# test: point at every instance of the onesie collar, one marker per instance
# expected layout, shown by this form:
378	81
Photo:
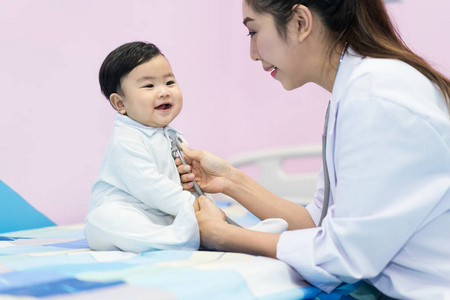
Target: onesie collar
122	120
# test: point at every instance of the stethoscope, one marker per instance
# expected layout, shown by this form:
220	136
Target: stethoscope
177	151
326	197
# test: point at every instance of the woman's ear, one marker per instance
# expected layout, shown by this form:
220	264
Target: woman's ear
303	21
117	103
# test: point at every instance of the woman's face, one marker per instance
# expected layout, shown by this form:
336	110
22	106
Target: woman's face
277	55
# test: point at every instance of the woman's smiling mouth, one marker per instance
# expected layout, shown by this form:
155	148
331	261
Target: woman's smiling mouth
272	70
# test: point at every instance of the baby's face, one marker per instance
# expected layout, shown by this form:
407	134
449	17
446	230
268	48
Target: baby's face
151	95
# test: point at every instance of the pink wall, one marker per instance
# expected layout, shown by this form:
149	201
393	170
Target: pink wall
55	123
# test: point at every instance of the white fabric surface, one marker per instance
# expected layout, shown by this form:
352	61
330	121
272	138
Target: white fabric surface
137	202
272	225
388	152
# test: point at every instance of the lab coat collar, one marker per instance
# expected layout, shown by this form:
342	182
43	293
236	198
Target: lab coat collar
122	120
350	61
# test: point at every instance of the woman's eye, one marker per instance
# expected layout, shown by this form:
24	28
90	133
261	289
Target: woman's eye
251	33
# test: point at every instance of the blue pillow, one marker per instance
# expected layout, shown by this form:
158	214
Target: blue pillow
17	214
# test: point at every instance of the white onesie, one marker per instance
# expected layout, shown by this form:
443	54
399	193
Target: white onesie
137	203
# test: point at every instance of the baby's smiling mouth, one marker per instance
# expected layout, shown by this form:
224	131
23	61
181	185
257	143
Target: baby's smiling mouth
164	106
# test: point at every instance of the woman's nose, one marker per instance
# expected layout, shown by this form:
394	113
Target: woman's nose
254	54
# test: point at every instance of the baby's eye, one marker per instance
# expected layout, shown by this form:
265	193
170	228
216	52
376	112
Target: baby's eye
170	82
149	86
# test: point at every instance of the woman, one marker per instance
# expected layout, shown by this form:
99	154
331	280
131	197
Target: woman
387	154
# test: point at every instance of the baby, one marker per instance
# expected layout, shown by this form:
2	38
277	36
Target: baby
137	203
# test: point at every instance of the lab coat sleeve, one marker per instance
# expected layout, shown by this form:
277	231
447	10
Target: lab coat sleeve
392	167
315	207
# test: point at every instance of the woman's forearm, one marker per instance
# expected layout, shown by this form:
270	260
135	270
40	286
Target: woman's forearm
263	203
236	239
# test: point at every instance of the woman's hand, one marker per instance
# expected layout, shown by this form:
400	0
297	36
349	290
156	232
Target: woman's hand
211	222
210	171
217	234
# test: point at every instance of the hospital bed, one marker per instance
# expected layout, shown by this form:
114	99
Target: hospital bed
270	167
56	263
44	260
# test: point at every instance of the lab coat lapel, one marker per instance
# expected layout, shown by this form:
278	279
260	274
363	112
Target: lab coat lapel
349	63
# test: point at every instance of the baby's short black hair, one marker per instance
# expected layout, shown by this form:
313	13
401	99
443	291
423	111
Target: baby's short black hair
121	61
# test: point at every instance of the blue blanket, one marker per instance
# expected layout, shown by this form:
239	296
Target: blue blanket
56	263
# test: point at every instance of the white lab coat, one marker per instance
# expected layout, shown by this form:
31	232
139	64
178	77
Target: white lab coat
137	203
388	155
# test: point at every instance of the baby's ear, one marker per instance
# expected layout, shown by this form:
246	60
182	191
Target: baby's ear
116	102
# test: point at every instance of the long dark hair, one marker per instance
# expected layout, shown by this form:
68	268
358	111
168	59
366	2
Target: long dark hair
363	24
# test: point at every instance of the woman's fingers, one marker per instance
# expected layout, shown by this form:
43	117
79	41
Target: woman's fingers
210	223
203	202
185	175
183	169
188	186
210	210
191	154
